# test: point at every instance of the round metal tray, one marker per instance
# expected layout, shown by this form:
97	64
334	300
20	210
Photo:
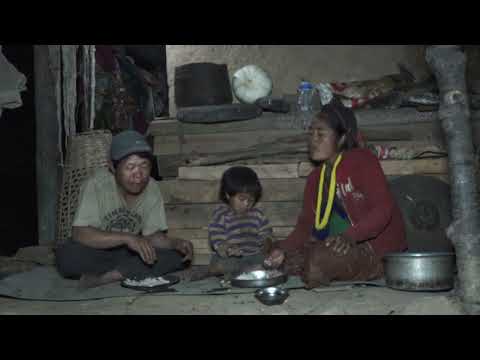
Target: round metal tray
259	284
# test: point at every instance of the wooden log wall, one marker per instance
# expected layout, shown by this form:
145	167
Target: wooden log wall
190	189
191	199
190	204
270	138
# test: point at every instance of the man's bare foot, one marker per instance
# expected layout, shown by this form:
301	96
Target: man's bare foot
92	281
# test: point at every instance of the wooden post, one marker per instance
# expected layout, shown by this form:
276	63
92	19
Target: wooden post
47	108
69	88
89	83
448	63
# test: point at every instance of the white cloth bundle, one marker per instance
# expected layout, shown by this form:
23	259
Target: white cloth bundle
251	83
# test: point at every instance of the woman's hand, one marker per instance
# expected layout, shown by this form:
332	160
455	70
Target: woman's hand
339	244
275	259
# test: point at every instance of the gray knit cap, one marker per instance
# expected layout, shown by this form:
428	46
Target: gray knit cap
127	143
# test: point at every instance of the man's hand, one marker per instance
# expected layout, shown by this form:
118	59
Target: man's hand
184	247
144	248
275	259
340	244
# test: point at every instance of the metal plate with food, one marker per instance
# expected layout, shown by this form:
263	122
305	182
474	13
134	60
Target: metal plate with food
153	284
259	279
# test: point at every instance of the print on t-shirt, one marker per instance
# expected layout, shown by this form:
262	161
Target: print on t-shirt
122	220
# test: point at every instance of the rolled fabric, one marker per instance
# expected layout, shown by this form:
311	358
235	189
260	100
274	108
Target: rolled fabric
12	83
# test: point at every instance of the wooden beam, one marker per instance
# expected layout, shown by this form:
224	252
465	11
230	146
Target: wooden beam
303	169
279	171
195	216
201	259
449	64
265	122
206	192
47	108
217	142
199	237
411	167
224	142
281	153
69	88
398	167
191	191
269	121
295	147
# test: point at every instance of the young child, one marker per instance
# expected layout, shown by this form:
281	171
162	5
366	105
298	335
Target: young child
239	234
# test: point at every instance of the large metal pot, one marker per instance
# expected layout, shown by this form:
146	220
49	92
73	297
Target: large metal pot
420	271
202	84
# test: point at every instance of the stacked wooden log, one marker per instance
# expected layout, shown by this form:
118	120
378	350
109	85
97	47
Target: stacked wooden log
193	157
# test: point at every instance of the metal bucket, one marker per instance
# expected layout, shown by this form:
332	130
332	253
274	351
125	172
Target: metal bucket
420	271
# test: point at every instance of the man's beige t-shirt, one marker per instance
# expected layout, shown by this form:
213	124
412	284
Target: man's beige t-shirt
102	207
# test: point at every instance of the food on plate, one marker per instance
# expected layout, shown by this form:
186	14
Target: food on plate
260	275
147	283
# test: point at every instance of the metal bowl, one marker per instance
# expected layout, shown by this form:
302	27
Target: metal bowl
261	280
272	296
420	271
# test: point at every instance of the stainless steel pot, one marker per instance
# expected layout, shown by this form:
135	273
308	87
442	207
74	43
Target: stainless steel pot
420	271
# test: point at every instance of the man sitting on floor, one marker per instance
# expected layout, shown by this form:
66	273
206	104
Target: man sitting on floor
119	229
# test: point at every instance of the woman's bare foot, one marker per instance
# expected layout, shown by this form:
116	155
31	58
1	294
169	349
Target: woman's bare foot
92	281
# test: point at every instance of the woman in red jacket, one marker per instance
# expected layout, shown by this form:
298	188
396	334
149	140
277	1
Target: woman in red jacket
350	219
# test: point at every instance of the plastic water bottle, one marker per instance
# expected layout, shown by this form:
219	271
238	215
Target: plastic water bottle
305	95
305	106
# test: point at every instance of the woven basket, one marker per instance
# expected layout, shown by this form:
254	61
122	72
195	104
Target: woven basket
86	152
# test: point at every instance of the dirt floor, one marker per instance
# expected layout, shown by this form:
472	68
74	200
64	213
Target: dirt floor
330	301
360	301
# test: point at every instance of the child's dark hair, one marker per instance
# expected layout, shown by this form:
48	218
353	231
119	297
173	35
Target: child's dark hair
240	179
342	120
142	155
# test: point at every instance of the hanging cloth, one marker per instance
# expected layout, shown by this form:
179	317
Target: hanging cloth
12	83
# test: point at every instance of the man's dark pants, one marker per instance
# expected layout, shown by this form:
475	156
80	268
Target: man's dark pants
74	260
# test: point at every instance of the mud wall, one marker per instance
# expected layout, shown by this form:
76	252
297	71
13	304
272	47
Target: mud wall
289	64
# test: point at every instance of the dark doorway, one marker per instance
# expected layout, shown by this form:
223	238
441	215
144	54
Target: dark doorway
153	58
18	208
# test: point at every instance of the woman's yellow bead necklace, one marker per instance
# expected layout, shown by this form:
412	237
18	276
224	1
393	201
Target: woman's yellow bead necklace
321	223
